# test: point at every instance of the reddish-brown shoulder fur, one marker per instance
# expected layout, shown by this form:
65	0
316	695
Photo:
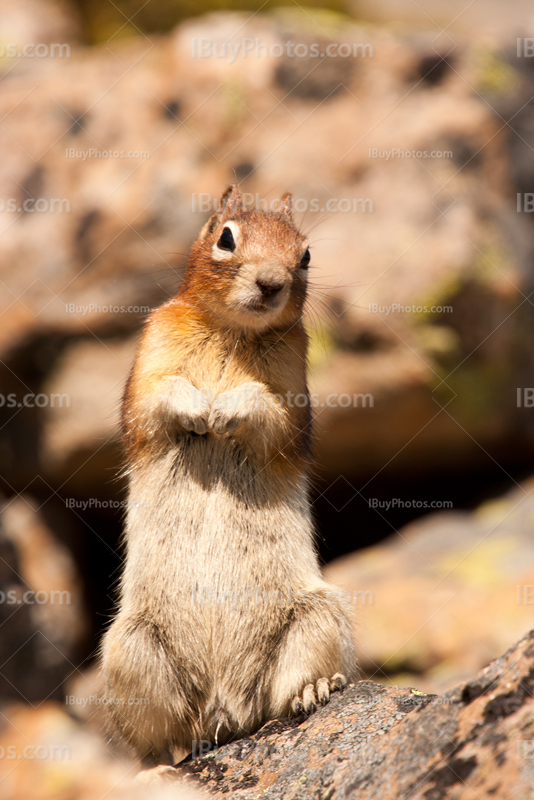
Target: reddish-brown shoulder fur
179	341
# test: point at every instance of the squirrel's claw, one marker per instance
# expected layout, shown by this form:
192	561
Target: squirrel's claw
318	694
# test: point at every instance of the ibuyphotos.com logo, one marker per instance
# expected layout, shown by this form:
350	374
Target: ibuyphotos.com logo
247	47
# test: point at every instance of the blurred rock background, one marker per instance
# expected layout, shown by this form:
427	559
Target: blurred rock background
89	243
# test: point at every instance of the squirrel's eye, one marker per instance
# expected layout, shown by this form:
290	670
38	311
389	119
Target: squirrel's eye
305	260
226	241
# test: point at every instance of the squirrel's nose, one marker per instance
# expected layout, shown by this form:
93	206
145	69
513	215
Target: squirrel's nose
269	288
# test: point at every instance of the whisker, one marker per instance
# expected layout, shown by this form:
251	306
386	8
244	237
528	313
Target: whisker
328	239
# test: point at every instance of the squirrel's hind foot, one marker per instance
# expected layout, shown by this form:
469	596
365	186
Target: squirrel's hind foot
312	696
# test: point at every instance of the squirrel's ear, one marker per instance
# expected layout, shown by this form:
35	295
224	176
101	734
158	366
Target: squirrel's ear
208	227
230	201
286	203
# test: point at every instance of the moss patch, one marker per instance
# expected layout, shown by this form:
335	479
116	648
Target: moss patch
493	75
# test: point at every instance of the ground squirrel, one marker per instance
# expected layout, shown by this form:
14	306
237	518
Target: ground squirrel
225	621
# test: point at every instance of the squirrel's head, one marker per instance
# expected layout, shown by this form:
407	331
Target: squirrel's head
248	267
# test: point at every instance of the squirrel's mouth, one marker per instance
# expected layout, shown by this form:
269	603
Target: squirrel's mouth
258	313
262	306
253	306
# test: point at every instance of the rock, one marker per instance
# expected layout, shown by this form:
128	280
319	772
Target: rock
498	22
87	382
44	621
445	594
37	23
47	755
383	743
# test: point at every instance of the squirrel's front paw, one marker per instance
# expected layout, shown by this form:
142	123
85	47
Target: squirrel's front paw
190	406
312	696
233	408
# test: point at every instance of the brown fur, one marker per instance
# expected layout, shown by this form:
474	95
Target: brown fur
224	620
